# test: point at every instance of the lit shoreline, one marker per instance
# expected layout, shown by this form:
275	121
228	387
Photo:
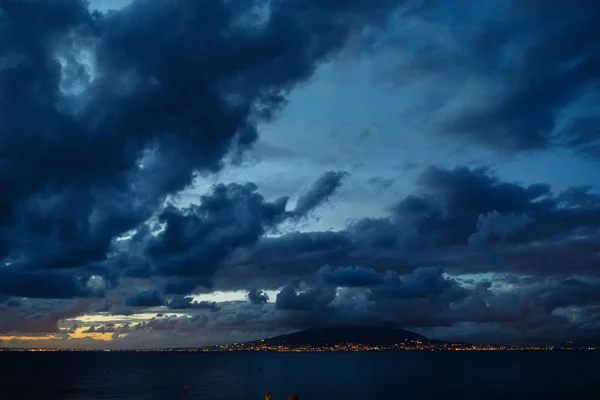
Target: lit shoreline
282	348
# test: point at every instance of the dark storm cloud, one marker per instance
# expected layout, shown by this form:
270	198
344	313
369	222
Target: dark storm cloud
181	285
460	205
324	187
273	262
428	298
104	115
516	307
39	315
185	303
45	284
467	220
91	152
422	283
292	298
196	240
350	276
144	298
256	296
498	225
535	68
388	298
569	256
322	246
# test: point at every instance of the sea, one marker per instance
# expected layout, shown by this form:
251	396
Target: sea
311	376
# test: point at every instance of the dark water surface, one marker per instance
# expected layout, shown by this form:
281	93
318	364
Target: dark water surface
318	376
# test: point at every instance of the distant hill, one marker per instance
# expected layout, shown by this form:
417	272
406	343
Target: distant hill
356	335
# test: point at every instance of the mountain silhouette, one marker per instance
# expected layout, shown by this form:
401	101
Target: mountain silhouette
375	336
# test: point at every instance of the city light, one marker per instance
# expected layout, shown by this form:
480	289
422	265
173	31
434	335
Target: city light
262	346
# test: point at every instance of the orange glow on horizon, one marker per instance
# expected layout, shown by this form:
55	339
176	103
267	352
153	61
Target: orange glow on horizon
78	334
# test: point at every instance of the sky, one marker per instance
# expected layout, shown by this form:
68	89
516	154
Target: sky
179	173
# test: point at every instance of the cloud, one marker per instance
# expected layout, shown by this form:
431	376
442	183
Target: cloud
144	298
526	228
101	134
39	316
426	282
380	183
428	297
98	131
185	303
47	284
520	309
256	296
496	224
349	276
324	187
524	76
182	285
291	297
196	240
108	328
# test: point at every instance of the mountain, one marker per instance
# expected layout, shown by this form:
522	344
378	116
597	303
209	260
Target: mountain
356	335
